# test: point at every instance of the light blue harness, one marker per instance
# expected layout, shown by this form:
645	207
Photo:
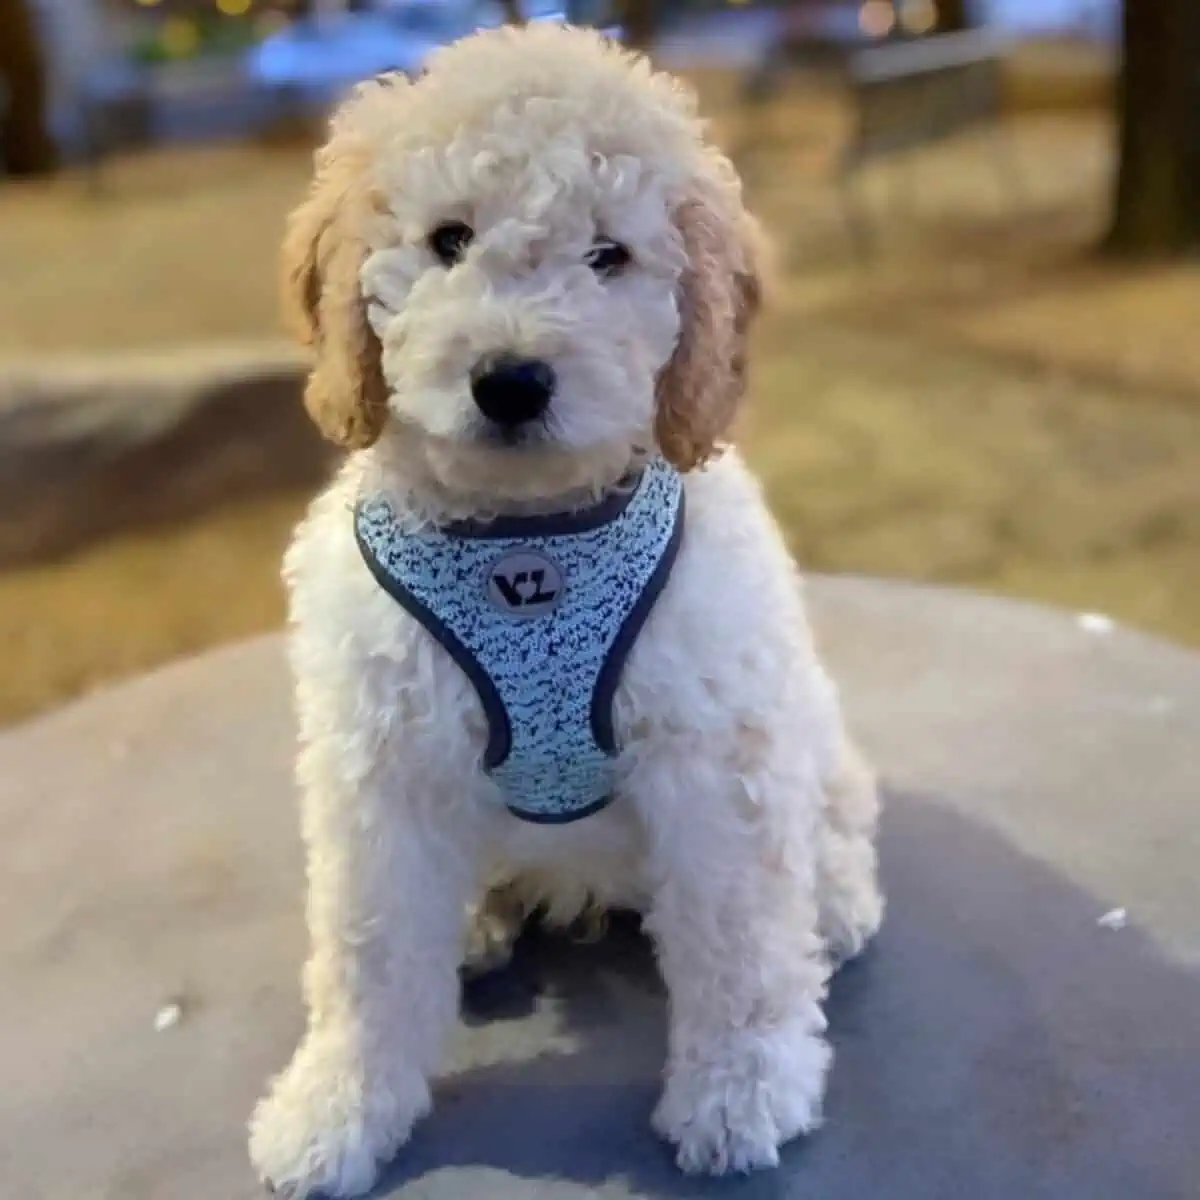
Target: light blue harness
540	613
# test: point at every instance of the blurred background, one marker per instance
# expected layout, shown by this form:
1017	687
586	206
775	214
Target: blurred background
981	369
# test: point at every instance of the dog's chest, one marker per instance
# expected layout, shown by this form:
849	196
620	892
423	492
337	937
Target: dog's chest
540	615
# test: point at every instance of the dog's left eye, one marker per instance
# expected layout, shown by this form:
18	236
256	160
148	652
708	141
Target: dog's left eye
450	241
608	258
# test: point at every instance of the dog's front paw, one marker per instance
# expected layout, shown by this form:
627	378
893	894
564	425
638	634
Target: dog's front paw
321	1130
731	1112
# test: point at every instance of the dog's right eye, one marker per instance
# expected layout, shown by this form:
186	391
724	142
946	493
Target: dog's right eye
449	242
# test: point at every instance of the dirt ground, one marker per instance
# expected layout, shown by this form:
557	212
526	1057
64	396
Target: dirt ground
979	405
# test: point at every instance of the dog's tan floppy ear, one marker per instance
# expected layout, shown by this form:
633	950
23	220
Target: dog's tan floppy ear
323	252
721	291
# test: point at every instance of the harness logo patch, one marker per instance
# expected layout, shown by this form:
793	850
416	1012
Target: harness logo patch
524	583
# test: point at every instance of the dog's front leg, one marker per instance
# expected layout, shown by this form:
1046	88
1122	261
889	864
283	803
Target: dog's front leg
734	917
388	886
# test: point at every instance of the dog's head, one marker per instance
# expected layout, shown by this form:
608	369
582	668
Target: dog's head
530	262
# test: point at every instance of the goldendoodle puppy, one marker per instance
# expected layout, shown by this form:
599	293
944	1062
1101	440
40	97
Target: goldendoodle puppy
550	650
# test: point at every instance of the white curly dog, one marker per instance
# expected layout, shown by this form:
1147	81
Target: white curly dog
527	279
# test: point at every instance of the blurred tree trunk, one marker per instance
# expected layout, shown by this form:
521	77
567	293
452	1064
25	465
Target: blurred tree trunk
953	16
1157	203
639	19
25	145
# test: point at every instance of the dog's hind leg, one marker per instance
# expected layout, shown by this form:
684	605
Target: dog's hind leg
848	895
493	926
499	919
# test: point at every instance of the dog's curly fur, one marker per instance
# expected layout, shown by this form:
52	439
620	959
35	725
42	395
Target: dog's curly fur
745	821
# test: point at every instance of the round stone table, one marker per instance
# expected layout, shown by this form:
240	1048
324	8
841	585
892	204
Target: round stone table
1013	1035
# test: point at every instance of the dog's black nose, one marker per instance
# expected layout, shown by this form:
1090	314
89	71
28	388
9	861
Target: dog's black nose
513	391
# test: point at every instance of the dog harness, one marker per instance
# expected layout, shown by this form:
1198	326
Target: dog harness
540	613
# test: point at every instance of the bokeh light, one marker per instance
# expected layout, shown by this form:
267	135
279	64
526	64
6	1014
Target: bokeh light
918	17
877	18
180	37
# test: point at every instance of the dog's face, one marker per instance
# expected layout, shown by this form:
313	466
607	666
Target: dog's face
523	287
528	263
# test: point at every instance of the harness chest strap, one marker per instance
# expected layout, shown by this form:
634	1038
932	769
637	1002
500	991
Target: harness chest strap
540	613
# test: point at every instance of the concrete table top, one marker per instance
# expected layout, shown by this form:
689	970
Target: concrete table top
1000	1041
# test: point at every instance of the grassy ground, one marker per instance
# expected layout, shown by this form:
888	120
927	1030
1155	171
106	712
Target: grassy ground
979	406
